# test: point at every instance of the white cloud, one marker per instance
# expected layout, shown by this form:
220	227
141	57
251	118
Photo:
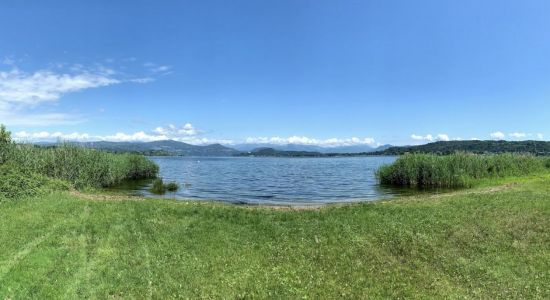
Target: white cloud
428	137
47	136
140	136
518	135
431	138
443	137
498	135
19	88
175	132
302	140
22	93
186	133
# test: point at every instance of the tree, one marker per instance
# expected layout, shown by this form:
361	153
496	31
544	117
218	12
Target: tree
5	143
5	135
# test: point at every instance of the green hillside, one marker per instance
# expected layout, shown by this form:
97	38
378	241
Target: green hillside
533	147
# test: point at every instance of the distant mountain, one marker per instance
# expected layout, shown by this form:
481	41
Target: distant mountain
312	148
270	152
167	147
534	147
289	147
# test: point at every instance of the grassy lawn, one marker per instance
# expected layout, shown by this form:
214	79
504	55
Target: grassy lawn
481	243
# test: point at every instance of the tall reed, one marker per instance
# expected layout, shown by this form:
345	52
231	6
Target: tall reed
80	166
457	170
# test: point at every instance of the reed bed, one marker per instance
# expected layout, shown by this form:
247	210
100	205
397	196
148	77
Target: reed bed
79	166
457	170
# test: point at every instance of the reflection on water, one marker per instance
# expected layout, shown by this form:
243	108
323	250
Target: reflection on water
289	181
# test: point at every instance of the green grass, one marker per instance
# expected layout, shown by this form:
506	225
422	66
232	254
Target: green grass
458	169
470	244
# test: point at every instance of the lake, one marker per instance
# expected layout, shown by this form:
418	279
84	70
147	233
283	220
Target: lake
273	181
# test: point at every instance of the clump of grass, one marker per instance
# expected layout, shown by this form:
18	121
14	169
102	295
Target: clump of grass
172	187
159	187
457	170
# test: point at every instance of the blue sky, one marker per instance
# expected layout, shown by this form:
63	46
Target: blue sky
311	72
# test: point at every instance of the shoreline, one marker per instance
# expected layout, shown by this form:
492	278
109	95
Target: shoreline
113	195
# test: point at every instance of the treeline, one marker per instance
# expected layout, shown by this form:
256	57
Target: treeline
479	147
270	152
26	169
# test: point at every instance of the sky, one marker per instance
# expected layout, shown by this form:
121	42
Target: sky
316	72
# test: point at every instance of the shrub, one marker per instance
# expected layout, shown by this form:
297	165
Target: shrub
172	187
159	187
456	170
5	144
16	184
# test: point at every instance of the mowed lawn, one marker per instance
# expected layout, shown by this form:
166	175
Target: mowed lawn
482	243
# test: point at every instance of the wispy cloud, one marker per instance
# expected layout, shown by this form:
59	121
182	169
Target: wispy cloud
156	68
8	60
22	93
40	119
20	88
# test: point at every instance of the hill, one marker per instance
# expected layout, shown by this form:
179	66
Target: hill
312	148
534	147
167	147
270	152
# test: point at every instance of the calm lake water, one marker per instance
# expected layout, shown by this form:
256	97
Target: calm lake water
266	180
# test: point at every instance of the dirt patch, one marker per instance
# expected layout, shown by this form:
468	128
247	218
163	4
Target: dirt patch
500	188
105	197
489	190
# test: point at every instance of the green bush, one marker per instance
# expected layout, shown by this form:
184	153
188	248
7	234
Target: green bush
5	144
158	187
172	187
16	184
457	170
